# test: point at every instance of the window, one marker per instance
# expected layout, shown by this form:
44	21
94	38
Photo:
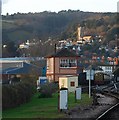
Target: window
72	84
72	62
66	63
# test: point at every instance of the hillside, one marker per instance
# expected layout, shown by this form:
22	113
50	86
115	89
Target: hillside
47	28
62	25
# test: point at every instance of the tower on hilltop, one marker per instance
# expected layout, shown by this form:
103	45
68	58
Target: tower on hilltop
79	33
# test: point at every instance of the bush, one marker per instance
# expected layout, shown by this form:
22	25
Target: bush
48	89
14	95
9	94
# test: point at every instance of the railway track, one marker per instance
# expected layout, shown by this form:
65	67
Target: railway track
110	114
113	112
107	101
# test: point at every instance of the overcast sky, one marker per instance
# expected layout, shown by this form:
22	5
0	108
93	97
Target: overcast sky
25	6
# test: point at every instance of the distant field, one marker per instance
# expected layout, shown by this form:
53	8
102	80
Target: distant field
43	107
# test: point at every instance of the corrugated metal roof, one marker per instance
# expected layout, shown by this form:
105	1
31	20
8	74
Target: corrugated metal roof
26	69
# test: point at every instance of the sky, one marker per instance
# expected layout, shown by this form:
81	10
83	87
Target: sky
25	6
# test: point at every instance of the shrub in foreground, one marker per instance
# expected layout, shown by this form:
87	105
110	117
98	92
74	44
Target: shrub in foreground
47	89
14	95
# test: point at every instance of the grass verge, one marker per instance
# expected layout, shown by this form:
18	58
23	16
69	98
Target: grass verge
44	107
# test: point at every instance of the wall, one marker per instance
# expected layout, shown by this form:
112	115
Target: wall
50	64
54	72
75	80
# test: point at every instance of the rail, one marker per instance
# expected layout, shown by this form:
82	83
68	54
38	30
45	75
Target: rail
113	91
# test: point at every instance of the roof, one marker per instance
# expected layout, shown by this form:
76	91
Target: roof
26	69
5	65
64	53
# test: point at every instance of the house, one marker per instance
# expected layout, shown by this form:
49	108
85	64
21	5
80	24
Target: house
63	62
87	38
27	44
21	46
108	69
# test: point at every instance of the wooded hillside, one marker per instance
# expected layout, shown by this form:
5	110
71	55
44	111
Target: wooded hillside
62	25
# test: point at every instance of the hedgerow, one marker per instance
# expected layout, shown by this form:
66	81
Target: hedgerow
17	94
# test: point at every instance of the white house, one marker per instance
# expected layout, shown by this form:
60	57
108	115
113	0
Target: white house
108	69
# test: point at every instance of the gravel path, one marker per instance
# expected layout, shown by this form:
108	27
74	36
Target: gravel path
92	111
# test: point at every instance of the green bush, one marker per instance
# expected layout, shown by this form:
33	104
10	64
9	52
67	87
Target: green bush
17	94
47	89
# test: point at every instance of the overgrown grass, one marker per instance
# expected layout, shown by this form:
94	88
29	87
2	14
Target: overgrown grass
43	107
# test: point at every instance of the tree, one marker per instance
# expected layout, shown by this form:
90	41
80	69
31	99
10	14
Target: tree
10	50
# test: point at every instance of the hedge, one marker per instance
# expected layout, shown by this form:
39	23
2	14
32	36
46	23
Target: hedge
15	95
47	89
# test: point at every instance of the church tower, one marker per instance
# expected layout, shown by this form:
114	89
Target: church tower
79	33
